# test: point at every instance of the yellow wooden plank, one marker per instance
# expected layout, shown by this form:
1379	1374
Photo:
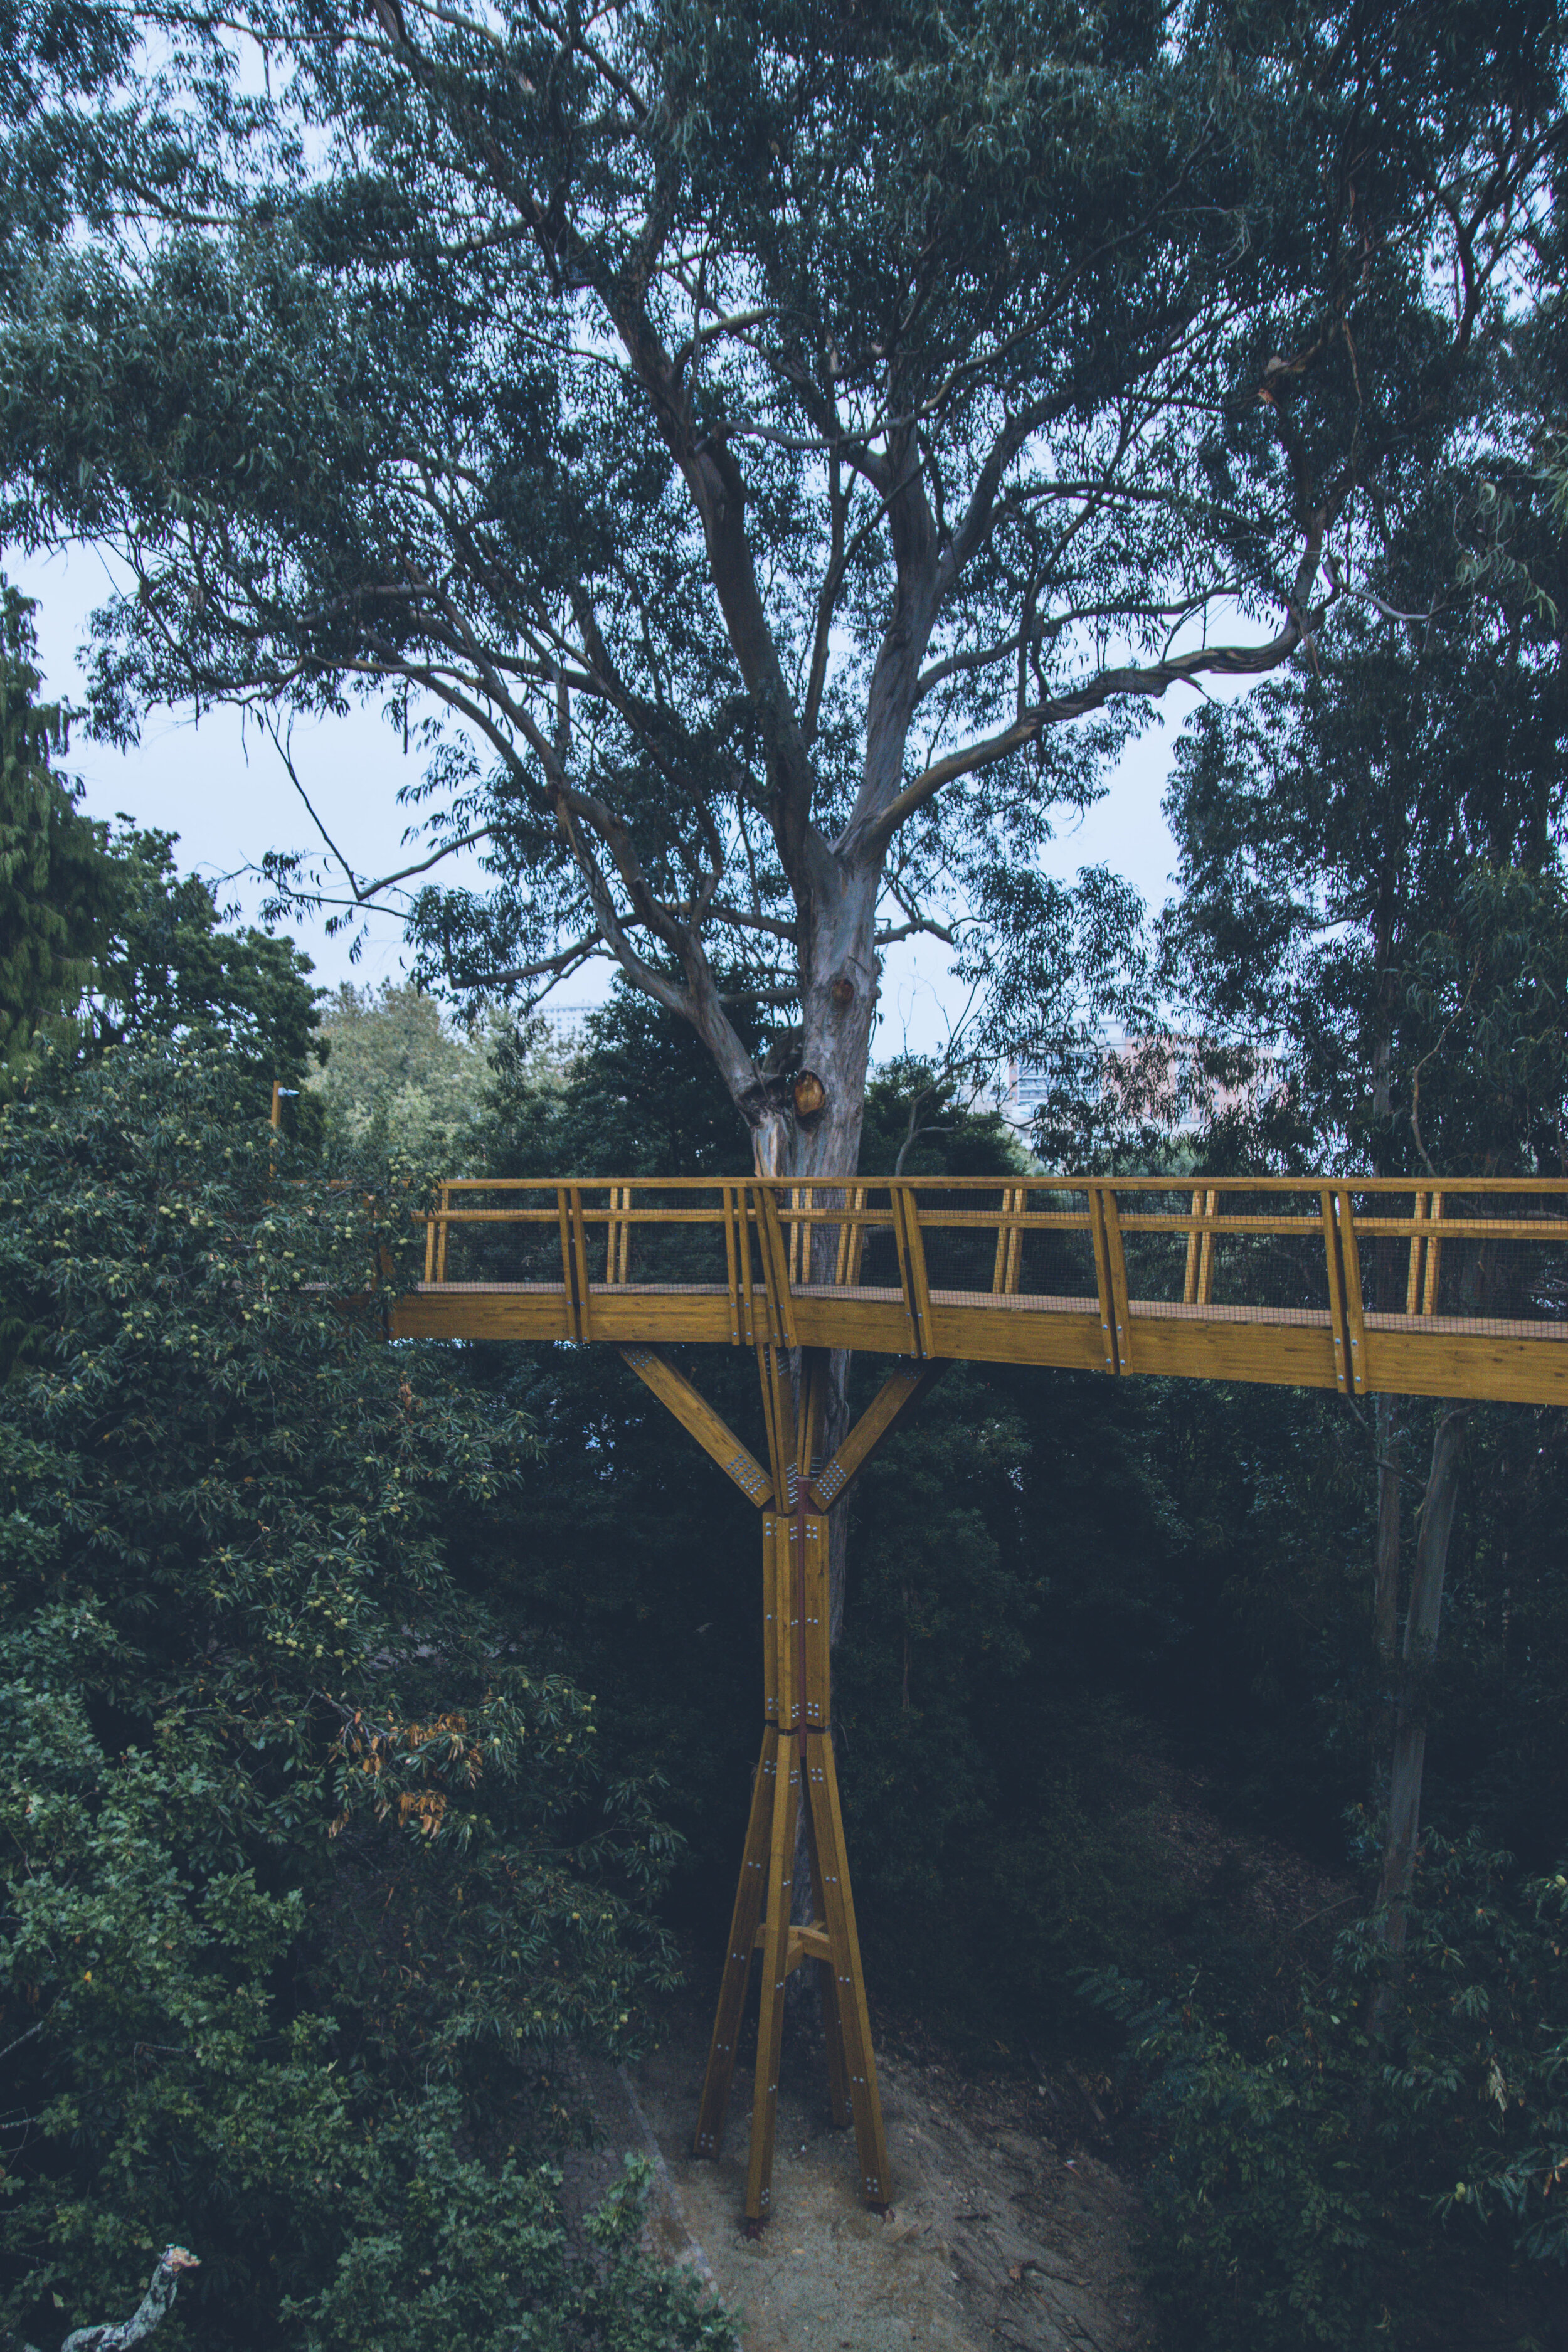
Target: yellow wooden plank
732	1267
1206	1253
1190	1278
667	1319
873	1326
920	1287
1117	1264
709	2137
1511	1371
1412	1280
775	1266
787	1620
1102	1280
770	1616
695	1415
579	1261
543	1314
568	1263
1277	1355
814	1369
851	1237
745	1220
827	1977
988	1335
914	1344
802	1944
778	1406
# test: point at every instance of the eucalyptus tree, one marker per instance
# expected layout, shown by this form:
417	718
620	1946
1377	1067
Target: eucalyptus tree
774	452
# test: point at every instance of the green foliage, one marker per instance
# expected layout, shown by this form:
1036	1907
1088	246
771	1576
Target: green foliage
641	1100
102	941
997	1610
1373	884
304	1867
171	970
400	1079
1302	2195
58	885
444	2253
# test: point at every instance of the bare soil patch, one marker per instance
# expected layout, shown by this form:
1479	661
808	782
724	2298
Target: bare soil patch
1006	2228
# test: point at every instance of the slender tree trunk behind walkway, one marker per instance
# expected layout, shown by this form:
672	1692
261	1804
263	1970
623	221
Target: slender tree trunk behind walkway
1421	1624
1385	1598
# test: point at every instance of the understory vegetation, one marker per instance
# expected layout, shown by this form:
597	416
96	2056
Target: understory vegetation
311	1864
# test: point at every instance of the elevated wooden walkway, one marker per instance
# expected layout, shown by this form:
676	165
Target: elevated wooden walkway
1452	1290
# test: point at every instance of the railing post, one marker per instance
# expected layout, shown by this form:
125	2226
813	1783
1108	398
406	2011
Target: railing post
1356	1318
568	1267
1336	1281
1434	1261
913	1266
1417	1245
1097	1233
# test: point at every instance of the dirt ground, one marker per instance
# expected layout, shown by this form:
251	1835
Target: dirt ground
1009	2226
1005	2229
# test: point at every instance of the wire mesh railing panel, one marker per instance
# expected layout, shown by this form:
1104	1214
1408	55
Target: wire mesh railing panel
499	1236
1463	1258
1010	1245
647	1237
841	1237
1227	1251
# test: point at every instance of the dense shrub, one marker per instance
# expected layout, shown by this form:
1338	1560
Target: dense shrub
307	1870
1302	2196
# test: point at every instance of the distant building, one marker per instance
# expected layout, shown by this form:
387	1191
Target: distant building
565	1028
1159	1078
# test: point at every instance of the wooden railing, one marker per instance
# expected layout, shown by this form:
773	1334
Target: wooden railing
1457	1288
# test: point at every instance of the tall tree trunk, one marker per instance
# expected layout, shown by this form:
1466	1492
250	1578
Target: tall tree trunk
1389	1437
1421	1624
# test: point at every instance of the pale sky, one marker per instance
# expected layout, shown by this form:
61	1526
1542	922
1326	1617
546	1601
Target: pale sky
224	790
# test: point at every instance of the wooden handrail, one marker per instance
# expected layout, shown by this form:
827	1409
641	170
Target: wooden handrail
958	1271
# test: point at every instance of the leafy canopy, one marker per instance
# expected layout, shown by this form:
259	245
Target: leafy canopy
766	452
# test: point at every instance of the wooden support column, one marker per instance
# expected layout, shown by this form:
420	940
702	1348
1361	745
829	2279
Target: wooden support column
796	1765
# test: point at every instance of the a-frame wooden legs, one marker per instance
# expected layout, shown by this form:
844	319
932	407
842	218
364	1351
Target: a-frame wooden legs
743	1926
796	1766
792	1767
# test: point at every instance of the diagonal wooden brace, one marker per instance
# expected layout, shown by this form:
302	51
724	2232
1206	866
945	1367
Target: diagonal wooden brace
897	1395
694	1413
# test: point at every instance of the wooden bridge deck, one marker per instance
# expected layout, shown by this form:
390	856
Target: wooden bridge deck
1456	1288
